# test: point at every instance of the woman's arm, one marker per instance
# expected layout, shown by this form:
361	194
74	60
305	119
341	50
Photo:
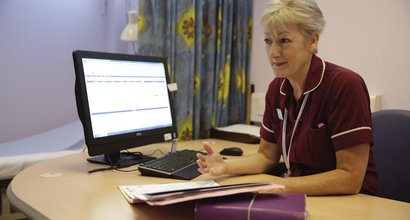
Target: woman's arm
266	158
347	178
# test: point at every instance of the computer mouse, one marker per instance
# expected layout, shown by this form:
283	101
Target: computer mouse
231	151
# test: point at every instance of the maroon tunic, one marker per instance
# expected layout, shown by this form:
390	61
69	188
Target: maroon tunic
336	116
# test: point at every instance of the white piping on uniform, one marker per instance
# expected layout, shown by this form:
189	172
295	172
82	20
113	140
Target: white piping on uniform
267	129
351	130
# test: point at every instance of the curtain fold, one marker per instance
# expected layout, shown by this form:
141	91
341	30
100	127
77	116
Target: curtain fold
207	44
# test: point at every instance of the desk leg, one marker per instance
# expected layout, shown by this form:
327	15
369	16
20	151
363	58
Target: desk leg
6	212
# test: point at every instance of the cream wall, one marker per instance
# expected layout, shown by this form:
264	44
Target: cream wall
371	37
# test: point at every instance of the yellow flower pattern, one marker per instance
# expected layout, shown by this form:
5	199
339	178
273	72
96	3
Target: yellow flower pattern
249	32
185	131
177	21
219	30
241	80
223	88
186	27
197	84
140	22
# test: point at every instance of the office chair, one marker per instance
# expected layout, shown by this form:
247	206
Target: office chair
391	130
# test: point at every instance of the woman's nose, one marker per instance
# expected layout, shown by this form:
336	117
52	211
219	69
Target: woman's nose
274	50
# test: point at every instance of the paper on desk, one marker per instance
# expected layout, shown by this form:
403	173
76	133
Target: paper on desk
241	128
138	193
158	195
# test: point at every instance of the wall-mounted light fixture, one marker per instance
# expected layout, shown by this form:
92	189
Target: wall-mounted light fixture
130	32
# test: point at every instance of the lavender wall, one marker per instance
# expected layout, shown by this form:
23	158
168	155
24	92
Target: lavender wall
370	37
37	38
36	68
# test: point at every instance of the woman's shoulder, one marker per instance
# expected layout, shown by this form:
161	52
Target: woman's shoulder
337	72
339	75
274	90
340	78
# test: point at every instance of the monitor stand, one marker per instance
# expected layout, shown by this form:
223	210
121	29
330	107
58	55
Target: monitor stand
123	159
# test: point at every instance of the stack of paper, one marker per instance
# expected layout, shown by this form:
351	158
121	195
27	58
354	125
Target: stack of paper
170	193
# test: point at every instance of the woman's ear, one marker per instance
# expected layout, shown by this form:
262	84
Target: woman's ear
313	42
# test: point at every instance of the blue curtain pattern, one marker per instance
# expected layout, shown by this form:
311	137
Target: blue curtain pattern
207	43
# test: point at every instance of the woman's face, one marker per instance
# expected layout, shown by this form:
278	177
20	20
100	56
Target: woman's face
289	51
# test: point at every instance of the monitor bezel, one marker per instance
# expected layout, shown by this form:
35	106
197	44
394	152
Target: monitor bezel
117	143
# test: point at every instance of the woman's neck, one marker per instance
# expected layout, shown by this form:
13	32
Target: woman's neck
298	86
298	81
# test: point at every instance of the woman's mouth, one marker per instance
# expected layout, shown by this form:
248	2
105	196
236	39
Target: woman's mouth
278	64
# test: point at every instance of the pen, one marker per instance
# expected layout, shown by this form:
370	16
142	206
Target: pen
100	169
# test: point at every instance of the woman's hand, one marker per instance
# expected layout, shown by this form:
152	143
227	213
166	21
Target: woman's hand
211	163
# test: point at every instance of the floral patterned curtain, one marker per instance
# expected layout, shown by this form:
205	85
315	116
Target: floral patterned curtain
207	43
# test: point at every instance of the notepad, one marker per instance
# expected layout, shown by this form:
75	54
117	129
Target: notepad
253	206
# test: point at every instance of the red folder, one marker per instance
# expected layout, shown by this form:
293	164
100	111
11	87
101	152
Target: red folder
253	206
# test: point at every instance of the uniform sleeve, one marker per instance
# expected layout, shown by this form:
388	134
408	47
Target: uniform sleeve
350	115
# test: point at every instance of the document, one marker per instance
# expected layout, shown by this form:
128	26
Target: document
170	193
241	128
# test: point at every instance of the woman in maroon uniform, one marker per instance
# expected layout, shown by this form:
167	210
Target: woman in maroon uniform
317	114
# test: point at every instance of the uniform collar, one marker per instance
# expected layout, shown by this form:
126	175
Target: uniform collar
313	79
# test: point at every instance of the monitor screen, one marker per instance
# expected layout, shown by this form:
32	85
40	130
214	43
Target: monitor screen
123	102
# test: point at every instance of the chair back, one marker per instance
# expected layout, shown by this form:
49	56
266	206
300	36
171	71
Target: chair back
391	130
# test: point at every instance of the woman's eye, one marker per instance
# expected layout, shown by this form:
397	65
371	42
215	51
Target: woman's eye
268	41
284	41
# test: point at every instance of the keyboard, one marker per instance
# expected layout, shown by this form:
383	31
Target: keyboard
177	165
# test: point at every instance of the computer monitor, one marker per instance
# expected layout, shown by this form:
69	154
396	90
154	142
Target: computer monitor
123	101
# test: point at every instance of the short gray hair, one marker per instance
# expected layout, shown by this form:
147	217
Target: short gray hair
306	14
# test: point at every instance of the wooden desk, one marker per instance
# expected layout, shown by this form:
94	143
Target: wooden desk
75	194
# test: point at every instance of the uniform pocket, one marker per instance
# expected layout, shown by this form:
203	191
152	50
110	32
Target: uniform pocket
321	148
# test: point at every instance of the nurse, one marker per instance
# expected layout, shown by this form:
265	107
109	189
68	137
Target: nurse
317	114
